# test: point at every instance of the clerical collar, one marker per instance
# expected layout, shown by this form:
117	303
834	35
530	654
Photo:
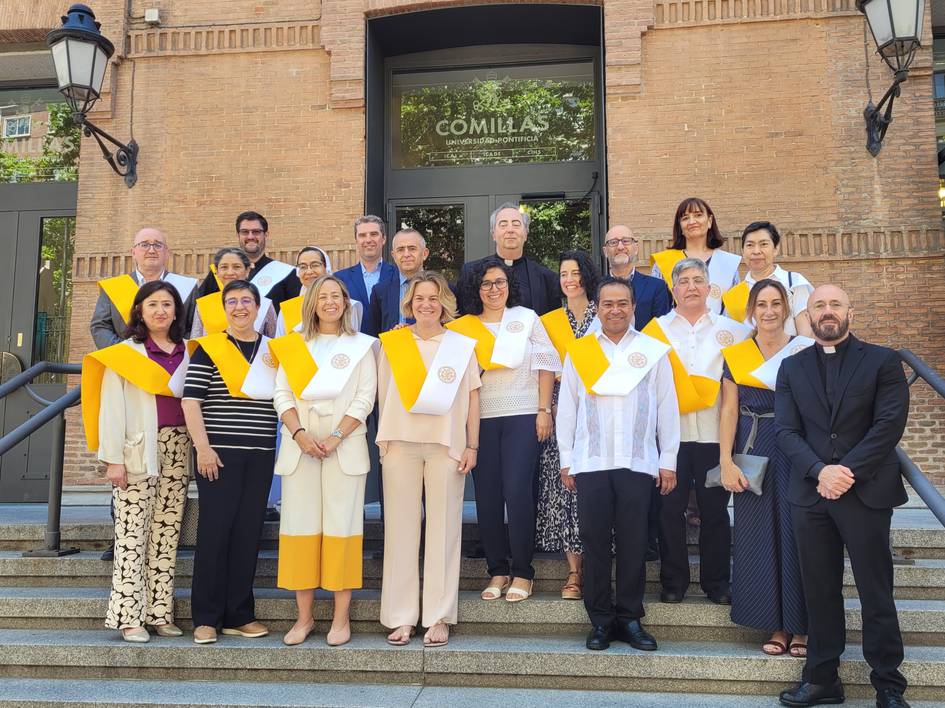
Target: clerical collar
512	261
835	348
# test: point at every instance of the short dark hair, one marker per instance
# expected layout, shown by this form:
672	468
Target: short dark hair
614	280
137	330
469	287
252	216
590	275
713	238
762	226
241	285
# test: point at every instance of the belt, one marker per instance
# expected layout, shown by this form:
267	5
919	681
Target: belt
753	433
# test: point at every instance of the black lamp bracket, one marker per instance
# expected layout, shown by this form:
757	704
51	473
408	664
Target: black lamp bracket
123	159
879	117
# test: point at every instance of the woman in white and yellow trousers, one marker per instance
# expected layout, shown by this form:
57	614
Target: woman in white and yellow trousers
323	460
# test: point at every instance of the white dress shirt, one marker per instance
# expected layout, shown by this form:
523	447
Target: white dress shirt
639	431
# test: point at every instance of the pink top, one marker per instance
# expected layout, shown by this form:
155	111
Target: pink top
396	423
169	412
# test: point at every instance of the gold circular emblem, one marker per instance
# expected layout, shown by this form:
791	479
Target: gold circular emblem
446	374
637	360
269	361
797	348
715	291
265	280
725	338
340	361
515	327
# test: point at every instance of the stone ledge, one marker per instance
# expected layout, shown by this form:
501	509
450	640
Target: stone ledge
224	39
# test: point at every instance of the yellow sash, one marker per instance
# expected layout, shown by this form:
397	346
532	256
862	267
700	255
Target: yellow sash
121	290
589	360
735	300
292	353
212	314
472	327
694	392
291	310
406	364
213	271
127	362
229	361
559	330
742	359
665	261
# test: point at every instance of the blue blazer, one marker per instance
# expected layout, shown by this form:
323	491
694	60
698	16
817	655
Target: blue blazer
383	313
353	280
652	297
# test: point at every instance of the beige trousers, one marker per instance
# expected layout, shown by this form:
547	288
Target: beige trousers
147	529
409	469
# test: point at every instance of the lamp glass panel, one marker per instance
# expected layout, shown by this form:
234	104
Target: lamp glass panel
920	18
61	60
904	17
81	55
101	61
877	14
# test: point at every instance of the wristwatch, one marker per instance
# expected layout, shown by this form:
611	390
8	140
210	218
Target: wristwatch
337	434
545	410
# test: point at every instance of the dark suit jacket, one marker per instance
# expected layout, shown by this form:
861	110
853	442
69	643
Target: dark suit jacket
353	280
541	293
286	289
383	313
652	299
861	433
108	326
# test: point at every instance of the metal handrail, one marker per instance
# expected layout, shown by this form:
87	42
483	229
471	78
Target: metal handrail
53	412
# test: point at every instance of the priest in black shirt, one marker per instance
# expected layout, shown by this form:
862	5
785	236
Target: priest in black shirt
538	288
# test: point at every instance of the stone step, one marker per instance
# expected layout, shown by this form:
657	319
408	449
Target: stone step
51	693
468	660
924	579
922	621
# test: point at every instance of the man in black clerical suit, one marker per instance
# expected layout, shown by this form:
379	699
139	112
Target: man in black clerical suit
840	408
538	288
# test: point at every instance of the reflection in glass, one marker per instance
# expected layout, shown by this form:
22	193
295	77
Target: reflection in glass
557	225
54	293
444	228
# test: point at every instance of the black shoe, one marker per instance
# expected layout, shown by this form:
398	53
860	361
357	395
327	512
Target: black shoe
890	698
652	552
720	598
632	632
813	694
272	514
109	553
672	597
599	637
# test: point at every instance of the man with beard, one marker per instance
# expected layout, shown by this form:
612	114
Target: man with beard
652	297
840	408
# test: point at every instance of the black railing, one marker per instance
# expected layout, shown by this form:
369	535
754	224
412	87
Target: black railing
53	412
914	476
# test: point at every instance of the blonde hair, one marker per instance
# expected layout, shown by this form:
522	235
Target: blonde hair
310	326
444	295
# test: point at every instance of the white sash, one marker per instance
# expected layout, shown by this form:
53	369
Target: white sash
337	366
708	359
270	274
176	384
767	373
264	304
628	368
723	267
182	284
511	340
260	381
445	373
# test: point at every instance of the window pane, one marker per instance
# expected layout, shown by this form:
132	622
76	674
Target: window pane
9	128
23	126
444	228
557	226
54	293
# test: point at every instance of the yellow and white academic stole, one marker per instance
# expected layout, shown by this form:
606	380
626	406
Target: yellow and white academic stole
121	290
312	380
505	349
749	367
243	379
558	327
618	376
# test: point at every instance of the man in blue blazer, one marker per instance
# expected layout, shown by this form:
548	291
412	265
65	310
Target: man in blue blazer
409	251
370	235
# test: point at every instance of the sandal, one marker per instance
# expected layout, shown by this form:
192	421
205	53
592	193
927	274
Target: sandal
399	637
779	647
572	588
430	643
516	594
495	590
798	649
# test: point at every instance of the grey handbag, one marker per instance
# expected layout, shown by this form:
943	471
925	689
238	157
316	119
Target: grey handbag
753	467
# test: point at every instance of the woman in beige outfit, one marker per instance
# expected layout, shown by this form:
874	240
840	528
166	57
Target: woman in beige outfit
428	436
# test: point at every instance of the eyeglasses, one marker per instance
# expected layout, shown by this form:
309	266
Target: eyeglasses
626	242
251	232
150	245
242	301
303	267
499	283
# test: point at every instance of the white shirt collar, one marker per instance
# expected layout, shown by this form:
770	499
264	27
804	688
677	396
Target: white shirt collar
139	276
627	336
712	317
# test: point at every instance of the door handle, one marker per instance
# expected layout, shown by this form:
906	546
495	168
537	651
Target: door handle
19	339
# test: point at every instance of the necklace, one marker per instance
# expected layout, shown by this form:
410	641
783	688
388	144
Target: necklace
255	346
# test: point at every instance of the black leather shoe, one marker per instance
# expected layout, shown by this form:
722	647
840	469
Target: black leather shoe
632	632
599	637
652	551
109	553
721	598
890	698
272	514
813	694
672	597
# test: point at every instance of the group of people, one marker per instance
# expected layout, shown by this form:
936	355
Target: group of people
586	407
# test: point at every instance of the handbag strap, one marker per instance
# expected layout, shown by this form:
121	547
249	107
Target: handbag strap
750	442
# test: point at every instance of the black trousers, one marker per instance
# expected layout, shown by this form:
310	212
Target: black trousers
821	532
232	514
653	527
715	531
504	481
614	504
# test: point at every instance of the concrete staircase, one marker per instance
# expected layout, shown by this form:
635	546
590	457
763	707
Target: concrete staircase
53	650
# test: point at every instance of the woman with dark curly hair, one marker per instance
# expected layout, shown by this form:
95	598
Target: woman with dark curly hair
519	363
557	517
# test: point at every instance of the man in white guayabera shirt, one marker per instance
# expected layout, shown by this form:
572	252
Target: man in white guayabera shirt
618	434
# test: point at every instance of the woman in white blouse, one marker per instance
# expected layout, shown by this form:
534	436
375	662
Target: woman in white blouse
519	363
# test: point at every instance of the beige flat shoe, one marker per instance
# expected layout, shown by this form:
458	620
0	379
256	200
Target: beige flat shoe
253	630
168	630
136	635
337	637
516	594
205	634
298	634
497	587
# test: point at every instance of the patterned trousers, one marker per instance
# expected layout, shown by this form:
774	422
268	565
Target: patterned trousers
147	528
